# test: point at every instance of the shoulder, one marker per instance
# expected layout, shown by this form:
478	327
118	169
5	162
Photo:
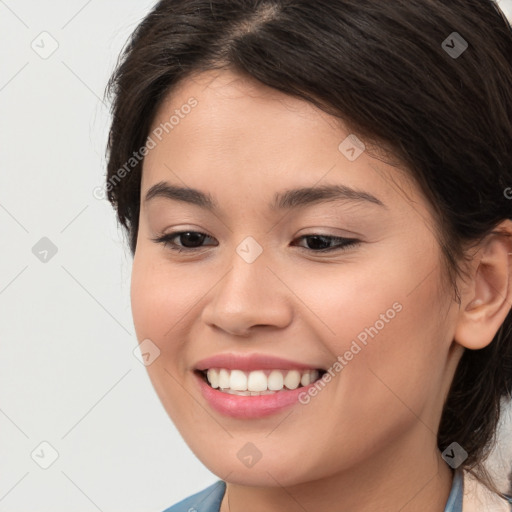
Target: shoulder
207	500
478	498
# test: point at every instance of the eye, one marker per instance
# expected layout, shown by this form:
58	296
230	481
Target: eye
321	243
192	240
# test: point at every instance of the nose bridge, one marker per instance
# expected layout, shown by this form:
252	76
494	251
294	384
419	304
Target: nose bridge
248	294
247	284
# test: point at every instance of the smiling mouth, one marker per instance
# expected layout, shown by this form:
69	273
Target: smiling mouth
258	382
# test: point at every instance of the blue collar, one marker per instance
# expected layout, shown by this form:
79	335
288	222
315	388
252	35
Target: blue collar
454	503
209	499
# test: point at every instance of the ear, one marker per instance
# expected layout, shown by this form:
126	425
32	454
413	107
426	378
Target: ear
487	298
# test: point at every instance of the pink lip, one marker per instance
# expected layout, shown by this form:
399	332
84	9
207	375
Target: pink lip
248	407
249	362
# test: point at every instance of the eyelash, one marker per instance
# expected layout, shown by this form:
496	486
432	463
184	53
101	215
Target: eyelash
166	241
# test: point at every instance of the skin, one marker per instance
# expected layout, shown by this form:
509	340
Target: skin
367	441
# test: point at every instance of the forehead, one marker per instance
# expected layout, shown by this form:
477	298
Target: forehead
238	116
226	87
245	136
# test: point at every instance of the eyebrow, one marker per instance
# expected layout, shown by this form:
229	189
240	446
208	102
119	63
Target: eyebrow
286	200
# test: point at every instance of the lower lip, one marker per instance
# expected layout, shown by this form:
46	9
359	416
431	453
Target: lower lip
238	406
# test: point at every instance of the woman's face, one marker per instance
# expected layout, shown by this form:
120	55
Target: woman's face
371	313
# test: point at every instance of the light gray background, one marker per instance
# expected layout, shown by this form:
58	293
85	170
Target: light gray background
68	375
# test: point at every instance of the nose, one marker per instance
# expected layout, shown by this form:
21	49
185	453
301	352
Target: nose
249	295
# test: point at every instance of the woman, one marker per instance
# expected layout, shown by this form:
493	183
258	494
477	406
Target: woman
318	201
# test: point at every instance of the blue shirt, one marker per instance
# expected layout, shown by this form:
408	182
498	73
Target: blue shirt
209	499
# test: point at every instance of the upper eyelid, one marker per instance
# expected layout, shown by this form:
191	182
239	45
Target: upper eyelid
173	234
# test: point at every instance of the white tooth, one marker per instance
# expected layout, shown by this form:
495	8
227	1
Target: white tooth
305	379
275	380
292	379
238	380
239	393
223	379
257	381
213	377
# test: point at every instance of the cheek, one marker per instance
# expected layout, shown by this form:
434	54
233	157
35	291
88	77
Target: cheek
384	321
147	293
161	298
159	309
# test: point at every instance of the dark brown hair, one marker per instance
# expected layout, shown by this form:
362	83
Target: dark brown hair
385	69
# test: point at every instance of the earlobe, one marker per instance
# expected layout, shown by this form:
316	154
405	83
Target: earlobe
488	296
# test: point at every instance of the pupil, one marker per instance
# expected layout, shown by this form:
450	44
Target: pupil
190	234
318	238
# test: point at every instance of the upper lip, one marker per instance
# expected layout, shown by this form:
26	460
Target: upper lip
249	362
